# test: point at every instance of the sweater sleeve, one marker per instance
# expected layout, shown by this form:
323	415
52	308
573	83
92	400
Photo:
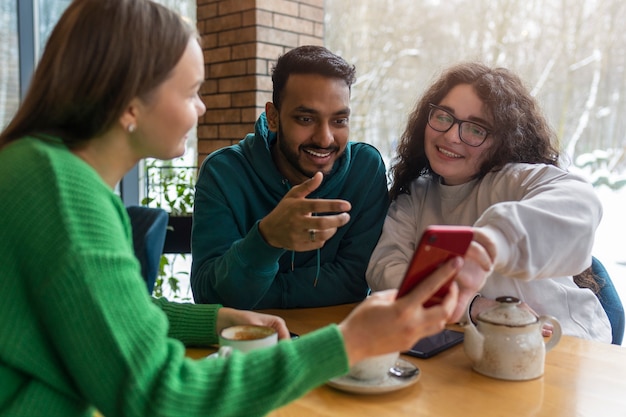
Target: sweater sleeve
113	341
117	352
543	221
80	331
192	324
541	218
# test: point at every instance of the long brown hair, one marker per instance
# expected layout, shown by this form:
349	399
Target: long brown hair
100	55
520	131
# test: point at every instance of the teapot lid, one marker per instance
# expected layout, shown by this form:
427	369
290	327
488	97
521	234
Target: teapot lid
508	313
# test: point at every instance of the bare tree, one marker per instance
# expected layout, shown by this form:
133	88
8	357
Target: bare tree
572	55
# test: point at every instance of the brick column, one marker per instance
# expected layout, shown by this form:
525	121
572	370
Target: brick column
241	41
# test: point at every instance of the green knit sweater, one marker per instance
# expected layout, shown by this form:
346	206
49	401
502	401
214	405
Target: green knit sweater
78	331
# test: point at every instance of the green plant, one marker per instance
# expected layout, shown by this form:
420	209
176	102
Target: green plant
170	276
171	187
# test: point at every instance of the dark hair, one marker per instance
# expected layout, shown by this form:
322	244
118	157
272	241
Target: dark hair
100	55
587	279
309	59
520	131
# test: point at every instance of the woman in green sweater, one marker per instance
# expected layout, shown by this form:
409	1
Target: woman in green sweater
119	82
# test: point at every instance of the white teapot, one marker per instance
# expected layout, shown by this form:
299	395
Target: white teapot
507	343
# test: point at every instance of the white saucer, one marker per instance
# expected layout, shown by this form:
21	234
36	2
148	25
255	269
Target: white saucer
390	383
212	355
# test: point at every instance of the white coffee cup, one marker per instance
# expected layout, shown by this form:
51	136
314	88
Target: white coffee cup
375	368
245	338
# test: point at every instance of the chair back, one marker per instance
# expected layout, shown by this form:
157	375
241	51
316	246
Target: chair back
609	298
149	229
178	237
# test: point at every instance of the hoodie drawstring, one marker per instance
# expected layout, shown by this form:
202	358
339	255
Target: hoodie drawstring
317	271
317	264
317	251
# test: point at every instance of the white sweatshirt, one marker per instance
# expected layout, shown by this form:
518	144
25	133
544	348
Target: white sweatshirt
543	221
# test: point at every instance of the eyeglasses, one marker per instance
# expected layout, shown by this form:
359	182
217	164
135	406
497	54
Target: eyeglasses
471	133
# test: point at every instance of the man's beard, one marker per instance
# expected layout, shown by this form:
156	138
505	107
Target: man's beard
292	157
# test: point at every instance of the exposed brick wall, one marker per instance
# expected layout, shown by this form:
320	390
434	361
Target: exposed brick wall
241	41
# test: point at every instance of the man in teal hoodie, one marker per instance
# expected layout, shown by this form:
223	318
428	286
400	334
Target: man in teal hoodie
289	216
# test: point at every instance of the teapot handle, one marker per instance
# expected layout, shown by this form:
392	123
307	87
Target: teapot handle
556	330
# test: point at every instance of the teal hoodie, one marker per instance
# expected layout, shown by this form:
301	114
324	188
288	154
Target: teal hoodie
234	266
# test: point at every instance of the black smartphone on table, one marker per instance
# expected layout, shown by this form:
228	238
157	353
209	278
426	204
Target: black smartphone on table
432	345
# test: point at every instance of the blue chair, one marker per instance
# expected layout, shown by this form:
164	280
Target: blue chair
149	229
609	298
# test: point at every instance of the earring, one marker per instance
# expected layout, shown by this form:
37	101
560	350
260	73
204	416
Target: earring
131	128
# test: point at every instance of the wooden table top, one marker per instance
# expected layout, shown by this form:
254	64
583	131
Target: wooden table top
581	378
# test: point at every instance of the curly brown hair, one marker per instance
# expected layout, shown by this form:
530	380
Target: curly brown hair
520	131
587	279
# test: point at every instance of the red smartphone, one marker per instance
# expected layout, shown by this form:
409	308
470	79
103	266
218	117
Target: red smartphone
437	245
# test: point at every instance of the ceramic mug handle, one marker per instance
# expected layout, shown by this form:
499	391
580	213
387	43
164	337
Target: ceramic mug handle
556	331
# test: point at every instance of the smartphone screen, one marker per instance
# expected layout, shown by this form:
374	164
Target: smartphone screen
437	245
430	346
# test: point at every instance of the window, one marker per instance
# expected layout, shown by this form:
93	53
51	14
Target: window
158	176
9	70
572	54
48	13
34	35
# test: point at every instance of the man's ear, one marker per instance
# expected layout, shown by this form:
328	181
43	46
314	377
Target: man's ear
272	116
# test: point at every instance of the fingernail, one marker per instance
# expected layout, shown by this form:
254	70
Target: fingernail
457	262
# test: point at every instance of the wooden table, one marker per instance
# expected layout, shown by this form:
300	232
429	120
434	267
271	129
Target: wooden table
582	378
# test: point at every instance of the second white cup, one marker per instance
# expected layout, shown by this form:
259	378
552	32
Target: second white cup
375	368
246	338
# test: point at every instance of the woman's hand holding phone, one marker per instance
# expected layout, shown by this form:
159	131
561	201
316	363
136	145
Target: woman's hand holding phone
476	269
383	323
437	245
440	243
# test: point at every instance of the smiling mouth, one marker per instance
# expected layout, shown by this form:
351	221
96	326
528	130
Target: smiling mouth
448	153
318	154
